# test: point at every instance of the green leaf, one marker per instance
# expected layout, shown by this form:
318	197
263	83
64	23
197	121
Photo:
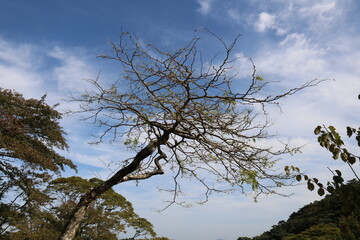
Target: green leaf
351	160
317	130
358	139
310	186
321	191
332	148
349	131
298	178
338	179
344	156
332	128
330	189
336	154
259	78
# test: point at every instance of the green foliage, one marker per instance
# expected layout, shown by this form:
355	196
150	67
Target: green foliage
334	217
109	216
29	131
331	140
318	232
29	135
345	222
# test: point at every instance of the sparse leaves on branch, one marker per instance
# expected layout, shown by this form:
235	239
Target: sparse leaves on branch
186	115
330	139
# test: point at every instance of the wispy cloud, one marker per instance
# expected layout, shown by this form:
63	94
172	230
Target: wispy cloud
19	68
324	11
73	68
205	6
34	71
265	21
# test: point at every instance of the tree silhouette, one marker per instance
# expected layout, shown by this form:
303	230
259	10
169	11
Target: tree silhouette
189	115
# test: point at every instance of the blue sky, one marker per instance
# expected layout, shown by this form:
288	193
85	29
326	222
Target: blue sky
51	46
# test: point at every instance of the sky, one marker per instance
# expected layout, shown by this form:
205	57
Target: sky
51	47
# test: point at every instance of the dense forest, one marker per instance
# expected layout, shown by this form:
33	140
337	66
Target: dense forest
336	217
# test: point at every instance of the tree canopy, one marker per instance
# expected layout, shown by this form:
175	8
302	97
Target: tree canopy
187	114
33	206
29	135
109	217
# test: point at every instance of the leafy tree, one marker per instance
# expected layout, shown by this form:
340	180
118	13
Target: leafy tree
318	232
29	134
107	217
181	112
329	218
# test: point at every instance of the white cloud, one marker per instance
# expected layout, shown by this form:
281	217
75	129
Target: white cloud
265	21
234	14
20	55
205	6
20	79
323	10
25	69
73	69
19	68
295	57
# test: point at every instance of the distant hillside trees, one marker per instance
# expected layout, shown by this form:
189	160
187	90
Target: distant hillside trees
337	216
330	218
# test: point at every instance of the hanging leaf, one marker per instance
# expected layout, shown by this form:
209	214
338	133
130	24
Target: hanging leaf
349	131
310	186
321	191
332	128
358	139
351	160
338	173
317	130
344	156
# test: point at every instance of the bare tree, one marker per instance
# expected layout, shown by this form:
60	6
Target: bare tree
184	115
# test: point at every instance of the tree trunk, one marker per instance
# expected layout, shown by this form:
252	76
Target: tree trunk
80	210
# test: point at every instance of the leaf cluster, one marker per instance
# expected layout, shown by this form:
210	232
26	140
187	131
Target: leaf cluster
330	139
